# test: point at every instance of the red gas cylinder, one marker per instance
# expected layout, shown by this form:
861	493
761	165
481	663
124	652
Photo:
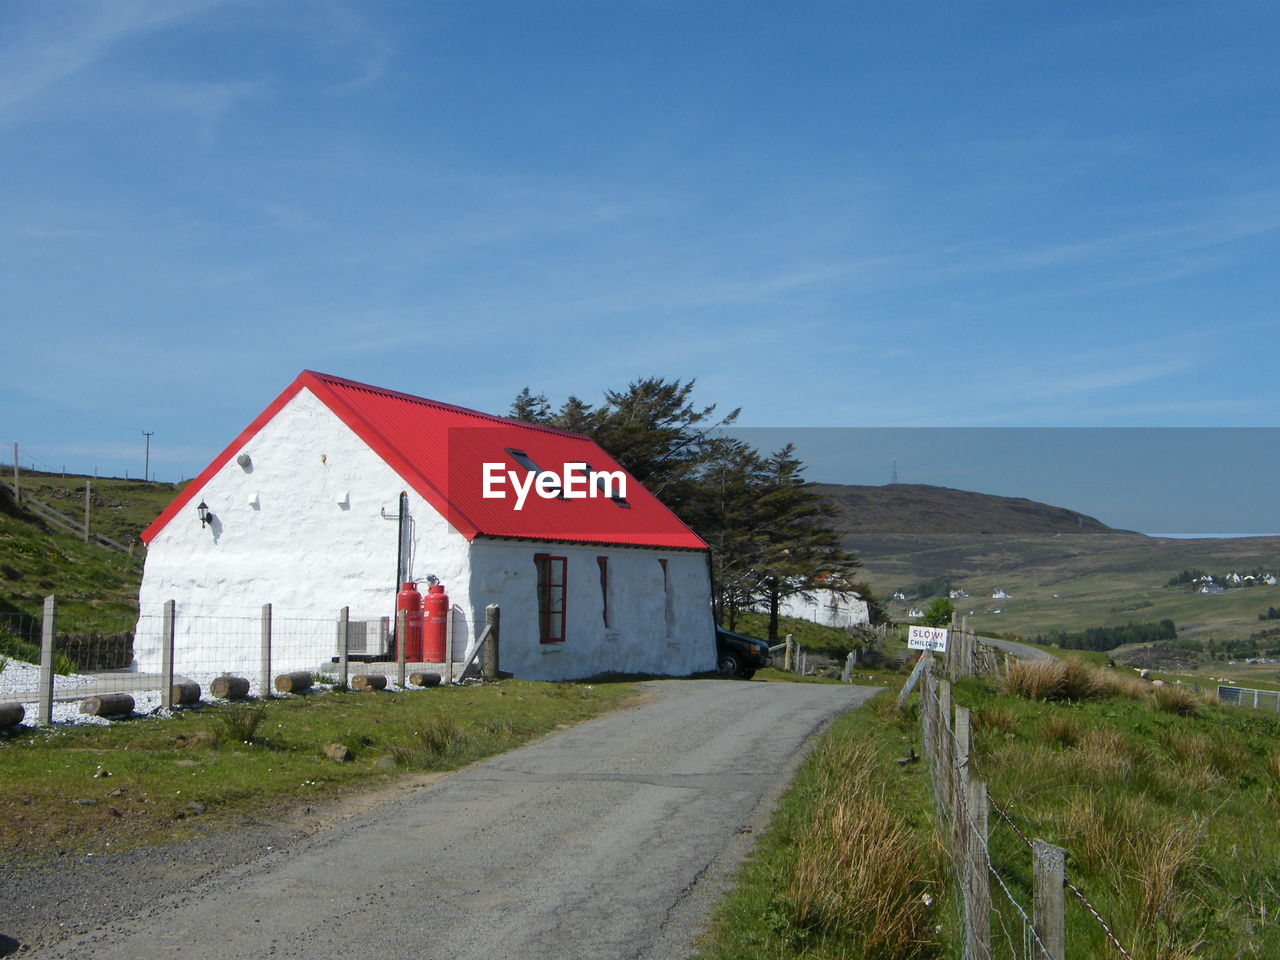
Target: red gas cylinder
435	608
409	622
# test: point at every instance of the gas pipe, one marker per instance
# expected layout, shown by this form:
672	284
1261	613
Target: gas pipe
409	621
435	607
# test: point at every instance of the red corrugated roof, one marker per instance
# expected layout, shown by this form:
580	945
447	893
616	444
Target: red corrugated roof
439	449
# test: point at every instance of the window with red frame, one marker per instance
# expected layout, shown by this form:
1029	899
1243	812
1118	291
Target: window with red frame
551	590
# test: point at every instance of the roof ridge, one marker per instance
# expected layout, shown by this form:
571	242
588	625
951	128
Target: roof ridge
329	378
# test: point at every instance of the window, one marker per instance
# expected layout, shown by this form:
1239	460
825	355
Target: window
607	485
668	606
526	461
551	589
522	458
603	564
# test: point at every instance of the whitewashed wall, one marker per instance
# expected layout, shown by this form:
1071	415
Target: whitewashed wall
301	528
828	608
641	638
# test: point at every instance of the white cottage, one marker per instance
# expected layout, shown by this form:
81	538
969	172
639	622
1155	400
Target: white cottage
339	491
827	607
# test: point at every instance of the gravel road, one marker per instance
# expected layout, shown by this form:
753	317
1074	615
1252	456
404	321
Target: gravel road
609	840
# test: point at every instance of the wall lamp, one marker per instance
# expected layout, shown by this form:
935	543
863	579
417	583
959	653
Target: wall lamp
205	516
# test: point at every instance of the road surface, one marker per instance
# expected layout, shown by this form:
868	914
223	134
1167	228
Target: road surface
607	840
1018	649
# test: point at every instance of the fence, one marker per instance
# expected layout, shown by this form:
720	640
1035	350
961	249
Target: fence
965	805
1249	697
186	652
48	514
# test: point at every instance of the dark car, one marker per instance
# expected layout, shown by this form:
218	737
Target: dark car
739	655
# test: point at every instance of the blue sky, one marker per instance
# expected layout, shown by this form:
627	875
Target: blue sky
852	214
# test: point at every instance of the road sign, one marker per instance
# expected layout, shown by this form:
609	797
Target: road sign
927	638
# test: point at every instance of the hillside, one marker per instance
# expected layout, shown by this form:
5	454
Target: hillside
1062	570
97	589
917	508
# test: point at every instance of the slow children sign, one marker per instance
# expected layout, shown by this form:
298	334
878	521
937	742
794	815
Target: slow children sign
927	638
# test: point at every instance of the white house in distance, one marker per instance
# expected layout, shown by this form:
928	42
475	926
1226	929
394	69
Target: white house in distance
827	607
304	510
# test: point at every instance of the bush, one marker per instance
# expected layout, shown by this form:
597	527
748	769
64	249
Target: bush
862	870
1176	700
1060	731
238	724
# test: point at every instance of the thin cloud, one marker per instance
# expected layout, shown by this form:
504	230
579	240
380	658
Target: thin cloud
55	48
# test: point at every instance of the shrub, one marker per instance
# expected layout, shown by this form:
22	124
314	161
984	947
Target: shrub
861	871
1176	700
1034	679
1081	681
1060	731
238	724
995	717
440	734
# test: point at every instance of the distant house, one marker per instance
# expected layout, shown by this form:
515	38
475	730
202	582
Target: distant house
828	608
1269	580
899	595
337	484
957	594
1212	588
999	594
915	612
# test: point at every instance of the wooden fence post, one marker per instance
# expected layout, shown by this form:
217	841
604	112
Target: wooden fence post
402	619
166	654
490	663
958	773
344	646
1049	869
48	630
264	675
979	886
86	511
946	768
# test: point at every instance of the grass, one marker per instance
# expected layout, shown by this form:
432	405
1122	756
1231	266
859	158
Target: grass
850	867
258	759
1166	803
831	641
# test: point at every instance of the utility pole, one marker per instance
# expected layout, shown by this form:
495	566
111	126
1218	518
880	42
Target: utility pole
146	470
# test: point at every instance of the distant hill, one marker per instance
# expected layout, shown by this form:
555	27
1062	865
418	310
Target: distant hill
917	508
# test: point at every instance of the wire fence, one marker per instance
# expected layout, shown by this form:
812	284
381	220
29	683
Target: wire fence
183	654
1031	932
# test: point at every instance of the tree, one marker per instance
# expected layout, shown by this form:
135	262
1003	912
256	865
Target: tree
534	408
938	613
801	550
770	536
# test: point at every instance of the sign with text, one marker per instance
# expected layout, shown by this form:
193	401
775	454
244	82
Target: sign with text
927	638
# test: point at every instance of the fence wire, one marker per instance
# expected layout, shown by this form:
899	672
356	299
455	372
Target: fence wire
935	727
255	644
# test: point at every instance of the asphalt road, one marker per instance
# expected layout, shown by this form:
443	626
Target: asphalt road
1019	649
611	840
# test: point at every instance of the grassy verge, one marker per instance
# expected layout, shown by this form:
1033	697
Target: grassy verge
151	780
850	866
831	641
1166	804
